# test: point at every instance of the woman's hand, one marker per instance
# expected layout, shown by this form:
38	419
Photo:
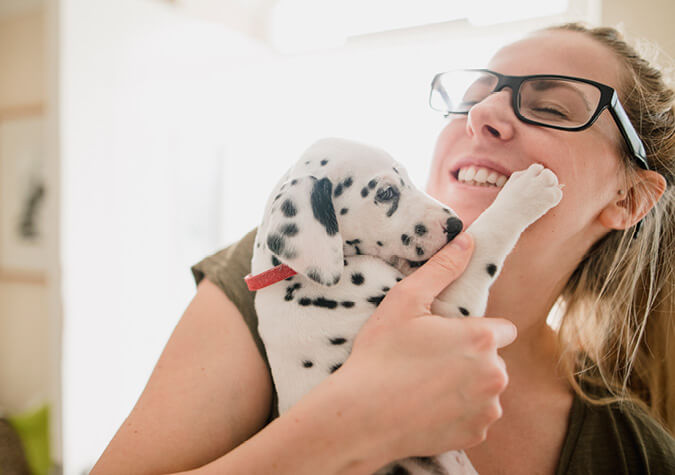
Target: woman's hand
427	384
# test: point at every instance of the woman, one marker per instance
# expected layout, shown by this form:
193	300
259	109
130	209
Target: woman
211	389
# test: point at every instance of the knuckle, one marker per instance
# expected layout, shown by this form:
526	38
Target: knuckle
496	382
484	339
476	436
493	412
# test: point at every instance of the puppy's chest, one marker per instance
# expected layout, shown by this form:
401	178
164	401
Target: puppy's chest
300	310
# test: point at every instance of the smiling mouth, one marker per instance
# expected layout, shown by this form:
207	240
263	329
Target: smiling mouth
480	176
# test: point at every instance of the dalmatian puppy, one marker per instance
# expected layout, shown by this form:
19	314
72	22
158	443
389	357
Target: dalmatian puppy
340	229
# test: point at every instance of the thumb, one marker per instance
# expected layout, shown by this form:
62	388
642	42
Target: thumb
418	290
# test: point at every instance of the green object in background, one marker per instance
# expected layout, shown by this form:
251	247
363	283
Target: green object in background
33	430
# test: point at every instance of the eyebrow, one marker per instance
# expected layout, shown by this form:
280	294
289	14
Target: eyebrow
544	84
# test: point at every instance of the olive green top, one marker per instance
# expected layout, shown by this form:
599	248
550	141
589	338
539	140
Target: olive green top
612	439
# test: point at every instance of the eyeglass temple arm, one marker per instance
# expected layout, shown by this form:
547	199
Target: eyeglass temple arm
628	131
630	135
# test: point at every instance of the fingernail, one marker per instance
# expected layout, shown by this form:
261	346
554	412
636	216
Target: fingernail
461	242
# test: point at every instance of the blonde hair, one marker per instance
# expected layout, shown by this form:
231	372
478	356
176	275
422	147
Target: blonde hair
618	323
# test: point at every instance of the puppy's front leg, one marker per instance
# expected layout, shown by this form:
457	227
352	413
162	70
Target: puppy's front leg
525	198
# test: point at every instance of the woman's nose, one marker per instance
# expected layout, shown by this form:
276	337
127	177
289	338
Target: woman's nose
493	117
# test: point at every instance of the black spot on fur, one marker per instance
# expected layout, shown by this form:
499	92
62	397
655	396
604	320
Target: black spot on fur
357	278
364	192
398	470
307	364
325	303
385	289
338	341
379	243
335	367
289	229
419	251
491	269
463	311
347	304
275	261
348	182
294	182
275	243
305	301
420	229
372	184
344	210
323	162
322	206
405	239
338	190
453	226
288	208
376	300
416	264
290	290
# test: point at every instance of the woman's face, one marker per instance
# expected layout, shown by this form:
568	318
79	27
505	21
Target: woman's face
587	163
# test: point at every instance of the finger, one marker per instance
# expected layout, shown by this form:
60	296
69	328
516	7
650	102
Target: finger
503	330
422	286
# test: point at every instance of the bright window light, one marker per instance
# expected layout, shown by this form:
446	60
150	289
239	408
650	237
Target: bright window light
301	25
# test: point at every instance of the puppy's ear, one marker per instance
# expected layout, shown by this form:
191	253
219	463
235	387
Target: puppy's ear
301	229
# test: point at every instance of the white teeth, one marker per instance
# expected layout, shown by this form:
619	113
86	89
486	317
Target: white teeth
481	176
469	173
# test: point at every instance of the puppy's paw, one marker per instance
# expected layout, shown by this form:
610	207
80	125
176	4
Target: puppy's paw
532	192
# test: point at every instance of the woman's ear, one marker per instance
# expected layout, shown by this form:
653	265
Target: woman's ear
634	202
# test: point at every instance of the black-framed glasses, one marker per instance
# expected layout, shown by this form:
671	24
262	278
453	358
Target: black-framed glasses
559	102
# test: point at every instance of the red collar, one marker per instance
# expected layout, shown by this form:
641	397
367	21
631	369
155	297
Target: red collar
269	277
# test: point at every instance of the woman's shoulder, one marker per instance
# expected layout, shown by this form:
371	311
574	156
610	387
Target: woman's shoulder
617	437
227	263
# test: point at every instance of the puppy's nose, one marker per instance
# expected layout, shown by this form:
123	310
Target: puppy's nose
453	226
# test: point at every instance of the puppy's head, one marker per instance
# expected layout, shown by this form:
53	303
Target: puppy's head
344	198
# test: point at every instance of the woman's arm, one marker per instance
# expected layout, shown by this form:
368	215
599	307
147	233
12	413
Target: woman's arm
415	384
209	391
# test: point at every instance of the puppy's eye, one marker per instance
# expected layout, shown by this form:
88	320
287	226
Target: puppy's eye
386	194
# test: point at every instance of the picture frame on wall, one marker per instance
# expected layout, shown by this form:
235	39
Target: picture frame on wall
22	193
